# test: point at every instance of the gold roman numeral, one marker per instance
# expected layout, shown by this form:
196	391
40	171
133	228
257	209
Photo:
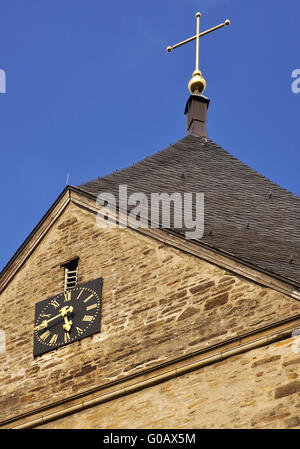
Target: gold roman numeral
54	303
80	294
80	331
45	335
92	306
87	318
53	339
89	297
67	337
67	295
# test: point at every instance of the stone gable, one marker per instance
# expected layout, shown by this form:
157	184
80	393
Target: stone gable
160	305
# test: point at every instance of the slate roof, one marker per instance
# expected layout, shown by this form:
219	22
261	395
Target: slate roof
246	215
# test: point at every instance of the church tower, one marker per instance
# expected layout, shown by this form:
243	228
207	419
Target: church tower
164	295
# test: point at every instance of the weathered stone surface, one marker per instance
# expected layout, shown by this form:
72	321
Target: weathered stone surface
201	287
266	360
292	422
223	395
286	390
67	223
291	361
190	311
216	302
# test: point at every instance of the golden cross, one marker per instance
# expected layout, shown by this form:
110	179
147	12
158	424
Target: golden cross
197	83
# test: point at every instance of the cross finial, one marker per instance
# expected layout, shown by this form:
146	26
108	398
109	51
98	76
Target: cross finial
197	83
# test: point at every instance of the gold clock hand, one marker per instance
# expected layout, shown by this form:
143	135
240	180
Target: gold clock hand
63	312
68	324
41	326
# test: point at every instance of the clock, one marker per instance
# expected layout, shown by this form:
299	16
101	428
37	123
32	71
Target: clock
67	317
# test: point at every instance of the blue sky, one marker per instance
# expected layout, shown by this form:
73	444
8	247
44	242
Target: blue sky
70	64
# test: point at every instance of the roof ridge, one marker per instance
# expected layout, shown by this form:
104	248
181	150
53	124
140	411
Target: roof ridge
175	145
134	164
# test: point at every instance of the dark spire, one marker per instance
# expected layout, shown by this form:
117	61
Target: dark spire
196	115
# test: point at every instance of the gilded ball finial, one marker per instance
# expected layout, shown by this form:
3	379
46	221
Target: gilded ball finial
227	22
198	14
197	83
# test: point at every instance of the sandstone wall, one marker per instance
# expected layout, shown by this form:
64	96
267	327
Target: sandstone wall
259	389
158	304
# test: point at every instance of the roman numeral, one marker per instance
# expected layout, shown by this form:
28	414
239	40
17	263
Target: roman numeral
92	306
80	331
54	303
45	335
80	294
89	297
67	337
87	318
67	295
53	339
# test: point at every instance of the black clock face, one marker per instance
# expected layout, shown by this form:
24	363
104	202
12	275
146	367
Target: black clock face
67	317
